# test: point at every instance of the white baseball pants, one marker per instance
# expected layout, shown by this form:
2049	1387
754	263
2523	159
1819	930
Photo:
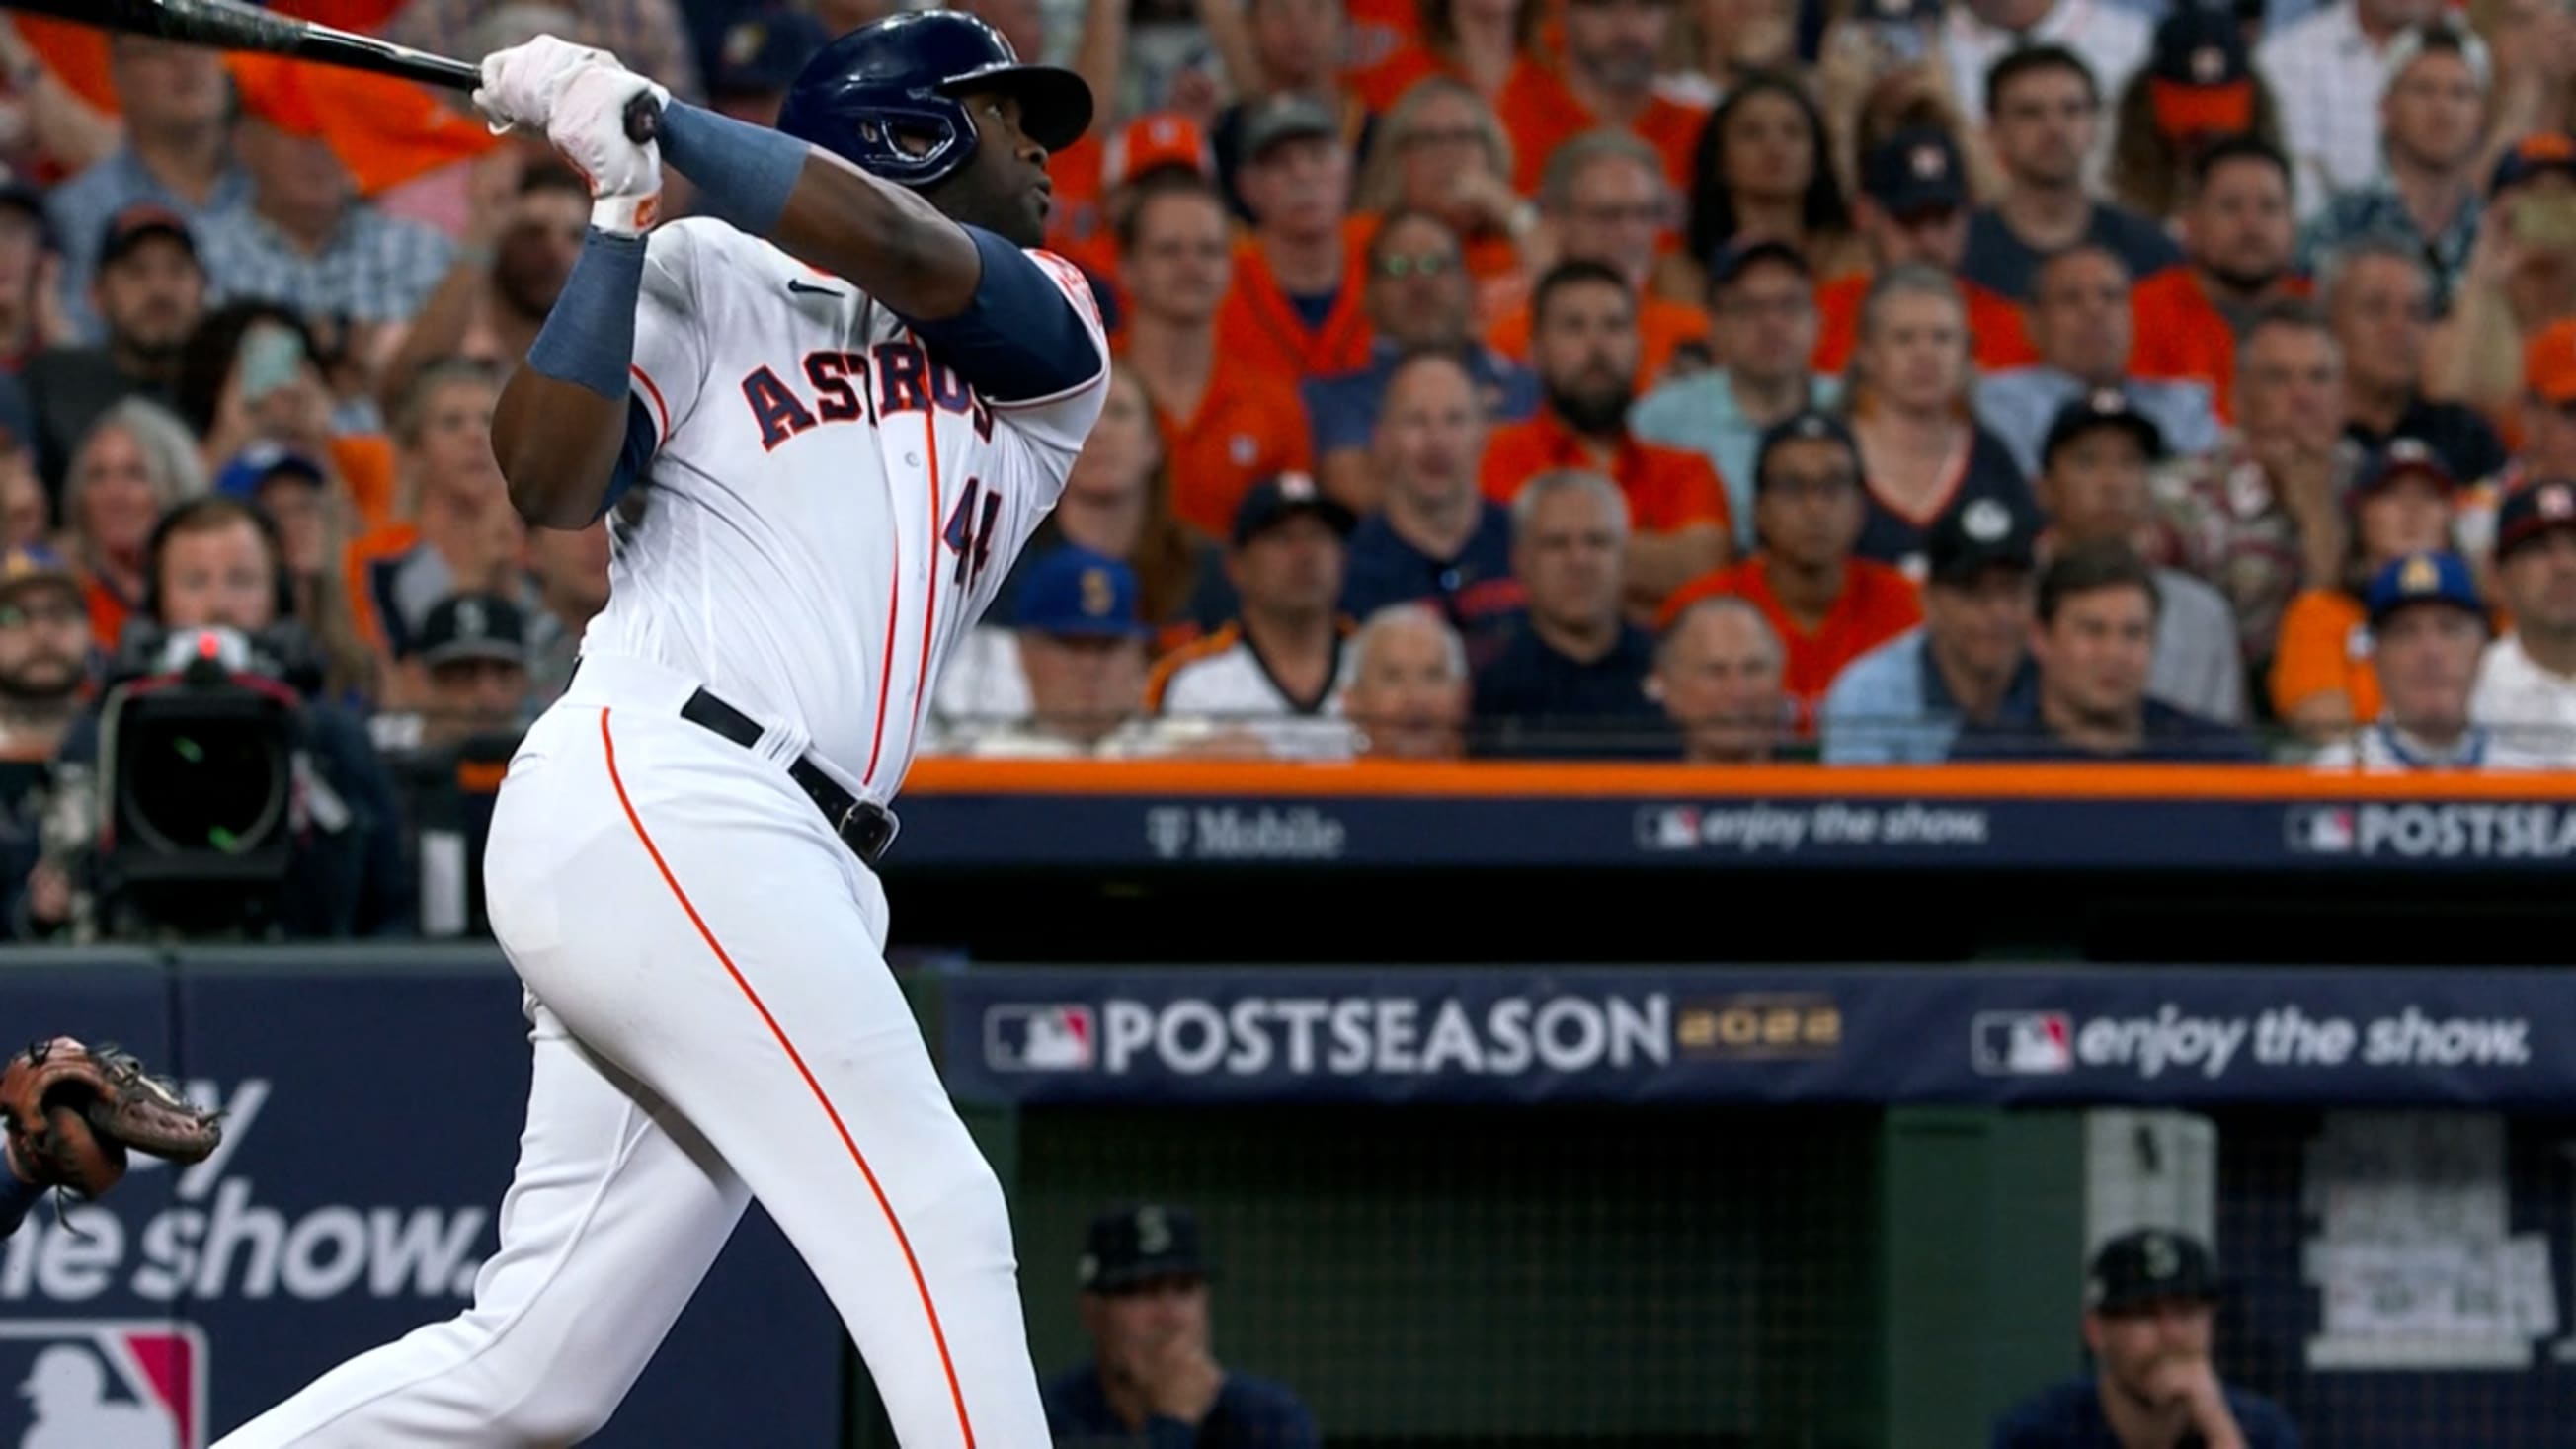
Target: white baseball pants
713	1022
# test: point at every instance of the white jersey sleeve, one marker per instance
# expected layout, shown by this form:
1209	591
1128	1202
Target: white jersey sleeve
669	372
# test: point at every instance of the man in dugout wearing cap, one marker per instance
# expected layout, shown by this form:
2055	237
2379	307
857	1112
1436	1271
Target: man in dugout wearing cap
1152	1379
2150	1298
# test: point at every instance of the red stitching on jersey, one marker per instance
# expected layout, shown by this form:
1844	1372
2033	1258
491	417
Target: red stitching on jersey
902	1240
654	394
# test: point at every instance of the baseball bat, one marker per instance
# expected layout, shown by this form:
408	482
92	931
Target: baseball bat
230	25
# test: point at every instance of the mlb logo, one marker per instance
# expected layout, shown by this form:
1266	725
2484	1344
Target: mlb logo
2023	1043
1668	827
2320	830
98	1384
1039	1038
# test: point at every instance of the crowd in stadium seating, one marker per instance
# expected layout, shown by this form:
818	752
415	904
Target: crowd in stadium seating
1721	380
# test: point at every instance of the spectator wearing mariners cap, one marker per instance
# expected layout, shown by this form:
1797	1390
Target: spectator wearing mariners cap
1825	606
1762	328
473	661
2094	486
1905	701
2322	683
1279	668
2432	126
1913	209
2526	689
2428	630
2094	640
1153	1378
2150	1306
150	290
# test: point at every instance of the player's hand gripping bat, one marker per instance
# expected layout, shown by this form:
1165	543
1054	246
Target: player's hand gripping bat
229	25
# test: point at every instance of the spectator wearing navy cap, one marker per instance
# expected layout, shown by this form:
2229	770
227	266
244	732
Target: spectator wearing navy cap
2400	505
297	493
2094	640
1569	679
2150	1305
1762	328
1434	536
757	58
44	657
1904	702
2526	689
1153	1378
150	290
2198	85
1280	666
2094	487
2080	322
2428	629
1913	214
2044	120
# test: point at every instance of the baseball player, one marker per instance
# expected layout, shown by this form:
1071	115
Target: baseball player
822	420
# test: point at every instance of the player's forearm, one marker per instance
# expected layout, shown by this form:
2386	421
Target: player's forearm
561	422
825	212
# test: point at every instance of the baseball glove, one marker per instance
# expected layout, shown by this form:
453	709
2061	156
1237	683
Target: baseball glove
72	1112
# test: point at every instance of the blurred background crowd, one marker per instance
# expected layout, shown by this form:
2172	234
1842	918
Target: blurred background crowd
1721	380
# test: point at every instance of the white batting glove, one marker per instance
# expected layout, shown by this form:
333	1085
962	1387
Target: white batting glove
588	127
520	84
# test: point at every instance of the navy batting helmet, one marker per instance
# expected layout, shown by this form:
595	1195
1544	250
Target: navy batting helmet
903	75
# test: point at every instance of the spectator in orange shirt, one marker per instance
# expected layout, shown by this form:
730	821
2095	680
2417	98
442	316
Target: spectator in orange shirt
1585	348
1922	453
1442	152
1605	202
2322	681
137	463
1914	210
2236	241
1225	420
1295	305
463	536
1764	170
1273	50
1718	670
1826	606
1607	78
1478	42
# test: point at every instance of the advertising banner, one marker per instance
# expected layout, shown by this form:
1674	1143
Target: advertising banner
2151	1035
372	1116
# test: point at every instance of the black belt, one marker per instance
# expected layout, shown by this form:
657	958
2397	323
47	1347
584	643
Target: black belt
864	826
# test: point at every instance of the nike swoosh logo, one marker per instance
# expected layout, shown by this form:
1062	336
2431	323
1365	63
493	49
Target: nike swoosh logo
809	289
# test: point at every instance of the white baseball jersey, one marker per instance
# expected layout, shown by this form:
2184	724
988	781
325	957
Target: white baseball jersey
829	508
